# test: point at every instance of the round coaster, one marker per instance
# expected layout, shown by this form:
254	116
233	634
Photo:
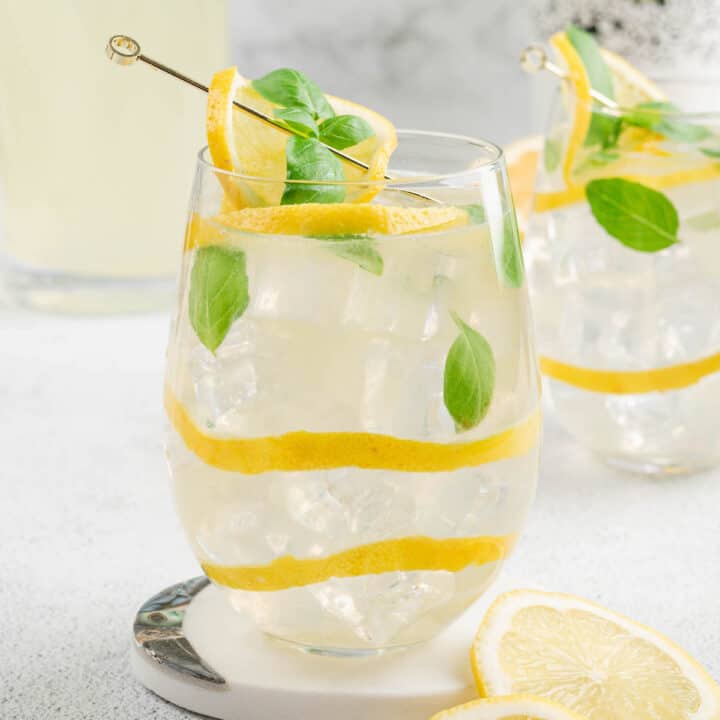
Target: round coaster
193	649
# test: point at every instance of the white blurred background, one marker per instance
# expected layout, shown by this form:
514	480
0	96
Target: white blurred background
448	65
452	65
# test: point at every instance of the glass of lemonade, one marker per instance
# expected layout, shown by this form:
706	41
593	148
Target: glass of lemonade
94	171
353	395
623	256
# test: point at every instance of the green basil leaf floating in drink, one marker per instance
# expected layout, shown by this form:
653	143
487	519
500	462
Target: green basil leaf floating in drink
604	129
512	259
476	213
297	119
552	154
343	131
218	293
469	380
508	253
711	152
293	89
359	249
307	159
657	116
638	216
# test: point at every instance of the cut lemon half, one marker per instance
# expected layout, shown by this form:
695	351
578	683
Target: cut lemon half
243	144
522	157
590	659
510	707
337	219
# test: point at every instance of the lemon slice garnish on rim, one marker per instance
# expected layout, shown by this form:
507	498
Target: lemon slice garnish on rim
590	659
316	219
344	219
243	144
510	707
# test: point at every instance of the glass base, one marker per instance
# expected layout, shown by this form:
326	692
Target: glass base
342	652
66	293
653	467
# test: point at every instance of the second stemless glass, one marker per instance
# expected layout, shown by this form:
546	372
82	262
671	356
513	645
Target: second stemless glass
628	332
355	459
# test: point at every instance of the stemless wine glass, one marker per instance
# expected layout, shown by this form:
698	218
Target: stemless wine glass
623	256
353	396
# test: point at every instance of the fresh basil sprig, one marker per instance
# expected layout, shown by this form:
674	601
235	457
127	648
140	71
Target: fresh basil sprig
469	378
305	110
638	216
218	293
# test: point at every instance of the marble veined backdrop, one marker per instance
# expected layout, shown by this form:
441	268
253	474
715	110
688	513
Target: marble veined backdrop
429	64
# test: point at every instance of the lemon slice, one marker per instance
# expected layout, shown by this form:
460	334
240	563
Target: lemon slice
581	112
630	88
592	660
343	219
510	707
241	143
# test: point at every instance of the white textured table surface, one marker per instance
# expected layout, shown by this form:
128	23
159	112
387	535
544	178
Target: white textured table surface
87	528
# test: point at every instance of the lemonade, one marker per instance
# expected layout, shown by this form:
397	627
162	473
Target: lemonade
351	385
623	260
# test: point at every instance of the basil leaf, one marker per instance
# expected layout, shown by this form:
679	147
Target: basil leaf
218	293
476	213
293	89
508	254
657	117
552	155
603	130
297	119
359	249
307	159
469	378
343	131
710	152
638	216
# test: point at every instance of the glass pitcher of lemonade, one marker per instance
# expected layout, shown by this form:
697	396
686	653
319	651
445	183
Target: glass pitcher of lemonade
94	168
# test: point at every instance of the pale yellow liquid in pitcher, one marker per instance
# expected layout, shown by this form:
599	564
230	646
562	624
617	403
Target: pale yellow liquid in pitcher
96	160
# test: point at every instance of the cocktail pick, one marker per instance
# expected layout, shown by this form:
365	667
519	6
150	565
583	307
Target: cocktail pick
534	58
123	50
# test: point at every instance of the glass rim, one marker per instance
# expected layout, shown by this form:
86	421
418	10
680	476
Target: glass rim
492	163
697	116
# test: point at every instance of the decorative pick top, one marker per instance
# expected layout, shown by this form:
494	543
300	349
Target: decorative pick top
123	50
534	58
